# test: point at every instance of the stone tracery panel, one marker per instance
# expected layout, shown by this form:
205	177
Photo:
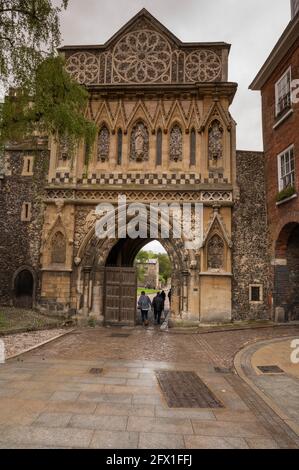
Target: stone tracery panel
203	66
145	56
216	253
142	57
84	67
103	144
58	249
176	144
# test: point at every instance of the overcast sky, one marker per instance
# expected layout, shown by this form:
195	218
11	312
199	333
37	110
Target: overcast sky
252	27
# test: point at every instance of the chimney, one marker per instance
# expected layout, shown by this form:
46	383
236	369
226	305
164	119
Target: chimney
294	7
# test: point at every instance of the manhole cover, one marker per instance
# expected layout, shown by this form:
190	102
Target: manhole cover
120	335
270	370
95	371
186	390
222	370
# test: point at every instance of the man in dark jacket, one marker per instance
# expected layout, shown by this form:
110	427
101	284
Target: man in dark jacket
158	308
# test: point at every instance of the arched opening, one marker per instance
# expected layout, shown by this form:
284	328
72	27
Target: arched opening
154	272
133	266
24	289
286	274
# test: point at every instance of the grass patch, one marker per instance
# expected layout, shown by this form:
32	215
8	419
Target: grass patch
147	291
19	319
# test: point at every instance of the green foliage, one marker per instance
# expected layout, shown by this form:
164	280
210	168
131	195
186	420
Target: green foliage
45	100
29	33
285	193
165	268
92	323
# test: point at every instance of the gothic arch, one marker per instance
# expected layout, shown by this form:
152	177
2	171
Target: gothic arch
58	248
103	143
176	144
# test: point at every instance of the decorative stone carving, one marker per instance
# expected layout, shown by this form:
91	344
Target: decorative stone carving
176	144
215	253
146	196
103	144
64	148
142	57
215	142
139	143
203	66
58	249
84	67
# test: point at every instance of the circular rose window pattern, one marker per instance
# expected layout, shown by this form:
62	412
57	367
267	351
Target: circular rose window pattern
142	57
203	66
83	67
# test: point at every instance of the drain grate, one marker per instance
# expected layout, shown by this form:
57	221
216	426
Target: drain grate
95	371
270	370
186	390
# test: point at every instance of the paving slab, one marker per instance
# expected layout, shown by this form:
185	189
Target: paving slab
114	440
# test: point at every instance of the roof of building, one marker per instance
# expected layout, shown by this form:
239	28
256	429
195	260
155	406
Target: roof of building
145	14
285	42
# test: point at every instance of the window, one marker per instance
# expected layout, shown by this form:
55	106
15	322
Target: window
193	148
26	212
103	145
119	146
159	148
28	166
283	93
256	293
176	144
286	169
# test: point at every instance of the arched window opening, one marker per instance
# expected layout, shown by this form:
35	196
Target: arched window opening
119	146
193	148
216	253
159	147
176	144
103	144
215	142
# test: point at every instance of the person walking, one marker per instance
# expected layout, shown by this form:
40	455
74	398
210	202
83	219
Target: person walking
163	295
158	307
144	303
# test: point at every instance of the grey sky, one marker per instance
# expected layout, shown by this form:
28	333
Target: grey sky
252	28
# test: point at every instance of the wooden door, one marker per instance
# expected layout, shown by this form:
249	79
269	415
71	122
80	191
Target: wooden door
120	295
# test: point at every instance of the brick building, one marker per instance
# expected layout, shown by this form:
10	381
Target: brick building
276	81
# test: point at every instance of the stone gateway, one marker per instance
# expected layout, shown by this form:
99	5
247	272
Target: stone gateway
165	134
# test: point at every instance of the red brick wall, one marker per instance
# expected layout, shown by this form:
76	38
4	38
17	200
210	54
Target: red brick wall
277	140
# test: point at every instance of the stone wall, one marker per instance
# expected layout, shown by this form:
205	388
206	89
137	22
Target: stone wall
20	240
251	263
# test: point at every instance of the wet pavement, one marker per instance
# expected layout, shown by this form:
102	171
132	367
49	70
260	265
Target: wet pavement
50	398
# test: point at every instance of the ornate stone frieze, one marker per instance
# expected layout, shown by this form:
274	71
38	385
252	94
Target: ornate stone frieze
145	56
95	196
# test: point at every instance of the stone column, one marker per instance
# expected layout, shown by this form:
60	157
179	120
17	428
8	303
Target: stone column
86	290
98	295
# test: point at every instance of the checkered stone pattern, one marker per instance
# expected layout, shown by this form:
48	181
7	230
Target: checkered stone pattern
215	178
123	179
63	178
142	178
